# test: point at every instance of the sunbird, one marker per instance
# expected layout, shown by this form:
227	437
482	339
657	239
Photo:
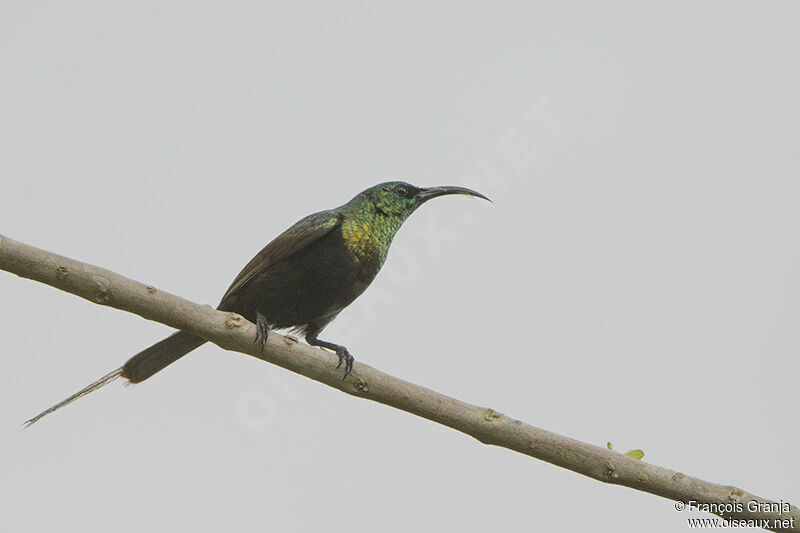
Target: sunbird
301	280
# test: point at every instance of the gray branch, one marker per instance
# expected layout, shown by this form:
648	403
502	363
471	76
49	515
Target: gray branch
232	332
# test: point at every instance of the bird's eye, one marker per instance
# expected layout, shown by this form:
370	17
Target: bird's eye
401	191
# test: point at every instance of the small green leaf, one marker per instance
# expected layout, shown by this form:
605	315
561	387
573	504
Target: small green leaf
608	445
636	454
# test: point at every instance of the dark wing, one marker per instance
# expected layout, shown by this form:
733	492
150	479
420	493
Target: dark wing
291	241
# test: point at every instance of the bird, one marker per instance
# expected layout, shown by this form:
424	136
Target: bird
302	279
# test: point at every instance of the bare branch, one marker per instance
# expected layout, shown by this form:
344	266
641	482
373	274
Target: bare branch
232	332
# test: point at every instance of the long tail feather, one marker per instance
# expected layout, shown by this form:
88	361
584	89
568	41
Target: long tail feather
138	368
108	378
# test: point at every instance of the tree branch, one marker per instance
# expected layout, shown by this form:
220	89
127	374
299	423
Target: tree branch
232	332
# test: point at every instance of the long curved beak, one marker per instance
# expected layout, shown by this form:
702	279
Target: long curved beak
432	192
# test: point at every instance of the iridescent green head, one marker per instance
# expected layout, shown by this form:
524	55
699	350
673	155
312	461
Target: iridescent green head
373	217
400	199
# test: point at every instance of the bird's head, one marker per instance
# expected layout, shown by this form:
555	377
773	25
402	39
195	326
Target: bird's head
373	217
398	199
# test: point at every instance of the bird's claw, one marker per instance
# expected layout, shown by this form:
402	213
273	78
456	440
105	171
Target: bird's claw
339	350
346	358
262	330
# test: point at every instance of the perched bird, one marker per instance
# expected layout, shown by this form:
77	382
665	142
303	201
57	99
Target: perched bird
302	279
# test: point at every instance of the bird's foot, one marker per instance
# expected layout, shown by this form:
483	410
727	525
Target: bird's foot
344	355
262	330
346	358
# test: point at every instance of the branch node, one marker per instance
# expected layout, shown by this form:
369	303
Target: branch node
61	272
610	472
490	415
234	321
735	494
151	289
103	294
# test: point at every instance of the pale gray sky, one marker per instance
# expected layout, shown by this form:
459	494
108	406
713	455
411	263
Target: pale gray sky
635	280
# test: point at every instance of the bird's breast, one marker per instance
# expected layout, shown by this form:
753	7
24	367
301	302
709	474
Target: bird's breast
367	242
